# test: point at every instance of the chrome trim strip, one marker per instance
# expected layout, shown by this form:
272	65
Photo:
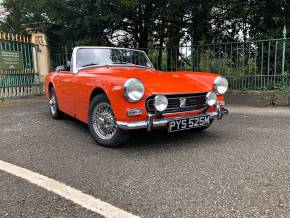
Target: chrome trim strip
182	112
113	65
132	125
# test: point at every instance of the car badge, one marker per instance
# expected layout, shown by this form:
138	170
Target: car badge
182	102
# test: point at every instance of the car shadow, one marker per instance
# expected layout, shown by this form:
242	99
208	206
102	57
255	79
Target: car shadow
157	139
162	138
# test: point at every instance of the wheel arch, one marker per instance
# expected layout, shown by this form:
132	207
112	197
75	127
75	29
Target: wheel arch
95	92
50	85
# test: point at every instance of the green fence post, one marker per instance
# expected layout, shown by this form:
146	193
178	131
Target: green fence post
35	47
284	52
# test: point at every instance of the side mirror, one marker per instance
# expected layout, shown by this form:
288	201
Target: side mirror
60	68
66	67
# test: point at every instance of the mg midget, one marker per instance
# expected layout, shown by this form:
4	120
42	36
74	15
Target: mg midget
118	90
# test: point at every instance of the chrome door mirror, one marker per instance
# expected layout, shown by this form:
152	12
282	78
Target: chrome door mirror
60	68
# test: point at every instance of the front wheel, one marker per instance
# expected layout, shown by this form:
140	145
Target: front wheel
102	123
53	105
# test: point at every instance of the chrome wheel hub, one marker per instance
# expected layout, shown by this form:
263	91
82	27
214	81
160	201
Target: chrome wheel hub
104	122
52	104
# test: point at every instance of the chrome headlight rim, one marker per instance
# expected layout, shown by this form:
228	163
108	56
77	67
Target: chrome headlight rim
221	85
128	85
211	98
160	98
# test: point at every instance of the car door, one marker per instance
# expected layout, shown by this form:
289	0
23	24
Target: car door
64	91
81	85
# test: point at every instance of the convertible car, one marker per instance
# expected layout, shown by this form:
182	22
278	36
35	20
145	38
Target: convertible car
117	90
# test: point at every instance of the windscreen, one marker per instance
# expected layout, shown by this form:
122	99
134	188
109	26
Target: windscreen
110	56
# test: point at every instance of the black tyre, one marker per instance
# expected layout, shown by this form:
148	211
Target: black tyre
53	105
102	123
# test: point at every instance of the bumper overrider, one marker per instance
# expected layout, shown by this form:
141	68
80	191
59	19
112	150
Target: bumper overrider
152	123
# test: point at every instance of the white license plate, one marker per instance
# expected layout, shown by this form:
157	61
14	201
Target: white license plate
188	123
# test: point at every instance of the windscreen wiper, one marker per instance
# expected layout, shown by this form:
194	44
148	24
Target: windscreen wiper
91	64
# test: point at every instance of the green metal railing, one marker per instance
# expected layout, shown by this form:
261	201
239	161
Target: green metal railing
251	65
24	81
62	57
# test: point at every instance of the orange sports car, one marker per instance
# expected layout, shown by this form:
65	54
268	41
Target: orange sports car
117	90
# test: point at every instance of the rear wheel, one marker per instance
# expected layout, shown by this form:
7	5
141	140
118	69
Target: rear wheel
102	123
53	105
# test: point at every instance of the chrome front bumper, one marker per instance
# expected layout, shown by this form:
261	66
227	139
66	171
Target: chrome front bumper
151	124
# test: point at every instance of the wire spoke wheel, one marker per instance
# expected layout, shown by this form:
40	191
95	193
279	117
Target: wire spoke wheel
104	122
52	103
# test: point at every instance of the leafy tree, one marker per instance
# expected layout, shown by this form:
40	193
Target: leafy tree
147	23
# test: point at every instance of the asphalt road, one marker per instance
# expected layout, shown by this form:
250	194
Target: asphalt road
239	167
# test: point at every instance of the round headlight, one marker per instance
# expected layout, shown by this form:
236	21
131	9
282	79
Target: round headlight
133	90
221	85
160	102
211	98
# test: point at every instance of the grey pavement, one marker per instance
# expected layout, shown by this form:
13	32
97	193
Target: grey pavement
240	167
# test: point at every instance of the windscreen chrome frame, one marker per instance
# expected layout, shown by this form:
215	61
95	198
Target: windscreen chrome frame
75	50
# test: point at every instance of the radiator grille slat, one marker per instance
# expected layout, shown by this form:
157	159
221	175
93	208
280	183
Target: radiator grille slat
194	101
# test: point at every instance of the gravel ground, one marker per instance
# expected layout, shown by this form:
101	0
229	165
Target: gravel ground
239	167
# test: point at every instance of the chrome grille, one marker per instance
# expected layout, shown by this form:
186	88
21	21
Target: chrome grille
193	101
